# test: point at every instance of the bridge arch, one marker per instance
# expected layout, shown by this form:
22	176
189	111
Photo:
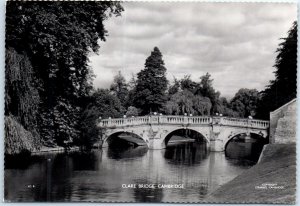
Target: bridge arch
114	136
218	131
168	135
231	137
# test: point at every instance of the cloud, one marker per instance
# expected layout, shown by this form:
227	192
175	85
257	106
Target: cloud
234	42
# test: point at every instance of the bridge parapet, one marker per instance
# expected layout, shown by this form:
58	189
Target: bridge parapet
253	123
184	120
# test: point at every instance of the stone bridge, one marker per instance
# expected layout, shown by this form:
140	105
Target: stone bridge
217	131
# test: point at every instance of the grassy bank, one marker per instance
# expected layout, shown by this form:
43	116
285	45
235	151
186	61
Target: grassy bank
272	180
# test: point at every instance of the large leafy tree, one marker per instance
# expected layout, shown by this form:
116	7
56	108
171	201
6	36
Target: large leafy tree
202	105
284	87
187	84
151	85
102	105
57	37
185	102
206	89
225	109
245	102
174	88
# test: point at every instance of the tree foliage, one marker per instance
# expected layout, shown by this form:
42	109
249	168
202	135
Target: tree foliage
187	84
21	91
103	105
17	138
224	108
151	86
173	89
119	88
186	102
133	111
57	37
206	89
284	87
245	102
21	104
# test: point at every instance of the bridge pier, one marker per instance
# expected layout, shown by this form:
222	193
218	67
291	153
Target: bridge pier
156	144
216	145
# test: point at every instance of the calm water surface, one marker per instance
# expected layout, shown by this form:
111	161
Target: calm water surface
98	175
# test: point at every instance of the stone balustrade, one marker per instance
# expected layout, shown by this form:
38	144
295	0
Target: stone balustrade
183	120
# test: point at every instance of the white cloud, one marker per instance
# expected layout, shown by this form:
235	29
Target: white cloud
234	42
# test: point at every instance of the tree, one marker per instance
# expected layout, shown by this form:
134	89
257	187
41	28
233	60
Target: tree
206	90
245	102
224	108
132	111
186	102
180	103
21	90
108	105
284	87
21	104
102	105
119	88
151	84
201	105
57	37
187	84
174	88
131	92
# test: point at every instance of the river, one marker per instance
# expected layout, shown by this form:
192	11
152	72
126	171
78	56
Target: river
118	174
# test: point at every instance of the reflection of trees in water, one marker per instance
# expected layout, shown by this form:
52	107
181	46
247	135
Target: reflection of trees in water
61	168
203	189
126	152
200	185
49	176
21	161
243	151
17	183
186	153
86	160
147	194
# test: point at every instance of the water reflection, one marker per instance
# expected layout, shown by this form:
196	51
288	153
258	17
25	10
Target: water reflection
127	152
190	153
98	175
142	194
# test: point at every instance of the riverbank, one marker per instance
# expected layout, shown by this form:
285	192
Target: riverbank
271	180
44	150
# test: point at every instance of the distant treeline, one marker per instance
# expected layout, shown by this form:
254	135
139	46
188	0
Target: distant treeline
49	98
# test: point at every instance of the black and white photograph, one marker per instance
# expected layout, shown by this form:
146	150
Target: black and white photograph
150	102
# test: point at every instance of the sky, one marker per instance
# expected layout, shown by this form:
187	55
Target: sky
235	42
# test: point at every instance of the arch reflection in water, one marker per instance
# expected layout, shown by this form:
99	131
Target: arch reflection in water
126	152
185	146
124	140
245	149
184	135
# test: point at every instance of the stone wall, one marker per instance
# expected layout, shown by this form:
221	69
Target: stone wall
283	124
